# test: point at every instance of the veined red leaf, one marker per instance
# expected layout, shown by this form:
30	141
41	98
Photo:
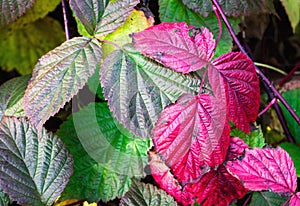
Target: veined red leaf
162	175
181	47
236	148
266	169
295	200
217	187
191	133
236	72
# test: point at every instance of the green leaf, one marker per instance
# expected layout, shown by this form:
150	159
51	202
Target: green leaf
293	151
292	97
176	11
254	139
39	10
146	195
11	10
267	199
33	171
25	46
232	7
94	84
292	8
100	180
4	199
115	15
138	89
58	76
108	142
11	95
89	12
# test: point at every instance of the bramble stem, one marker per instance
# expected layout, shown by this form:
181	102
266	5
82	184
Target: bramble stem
281	83
269	87
220	25
267	107
64	8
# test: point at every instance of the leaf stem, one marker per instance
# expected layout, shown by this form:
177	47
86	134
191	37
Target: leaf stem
64	9
267	107
269	87
110	42
281	83
220	25
270	67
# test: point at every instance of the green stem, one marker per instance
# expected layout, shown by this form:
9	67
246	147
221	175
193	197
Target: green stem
270	67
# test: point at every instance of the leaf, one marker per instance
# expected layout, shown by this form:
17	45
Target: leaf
32	172
254	139
266	169
293	151
146	195
236	148
97	182
236	72
89	12
4	199
11	10
232	7
108	142
115	15
291	97
176	11
58	76
181	47
292	8
217	187
94	83
162	175
137	89
39	10
190	134
22	49
295	199
11	94
121	36
267	199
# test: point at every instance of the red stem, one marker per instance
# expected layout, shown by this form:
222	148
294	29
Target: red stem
64	8
220	25
273	101
266	82
288	76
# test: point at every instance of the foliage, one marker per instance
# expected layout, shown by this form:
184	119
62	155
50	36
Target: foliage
171	97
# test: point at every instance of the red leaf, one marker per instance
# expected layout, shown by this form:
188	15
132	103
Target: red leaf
266	169
217	187
236	148
162	175
236	72
181	47
191	133
295	200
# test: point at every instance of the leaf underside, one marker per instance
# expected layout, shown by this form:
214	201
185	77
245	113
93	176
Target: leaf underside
11	10
146	195
58	76
266	169
267	199
137	89
32	172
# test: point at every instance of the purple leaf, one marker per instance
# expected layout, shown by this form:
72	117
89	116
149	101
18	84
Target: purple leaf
191	133
295	199
236	148
217	187
181	47
236	72
266	169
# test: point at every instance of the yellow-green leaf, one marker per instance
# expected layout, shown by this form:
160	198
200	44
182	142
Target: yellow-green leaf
292	8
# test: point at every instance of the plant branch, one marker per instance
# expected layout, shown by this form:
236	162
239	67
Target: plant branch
269	87
64	8
270	67
220	25
281	83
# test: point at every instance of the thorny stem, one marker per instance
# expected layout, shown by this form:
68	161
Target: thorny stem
220	25
64	8
281	83
273	101
269	87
